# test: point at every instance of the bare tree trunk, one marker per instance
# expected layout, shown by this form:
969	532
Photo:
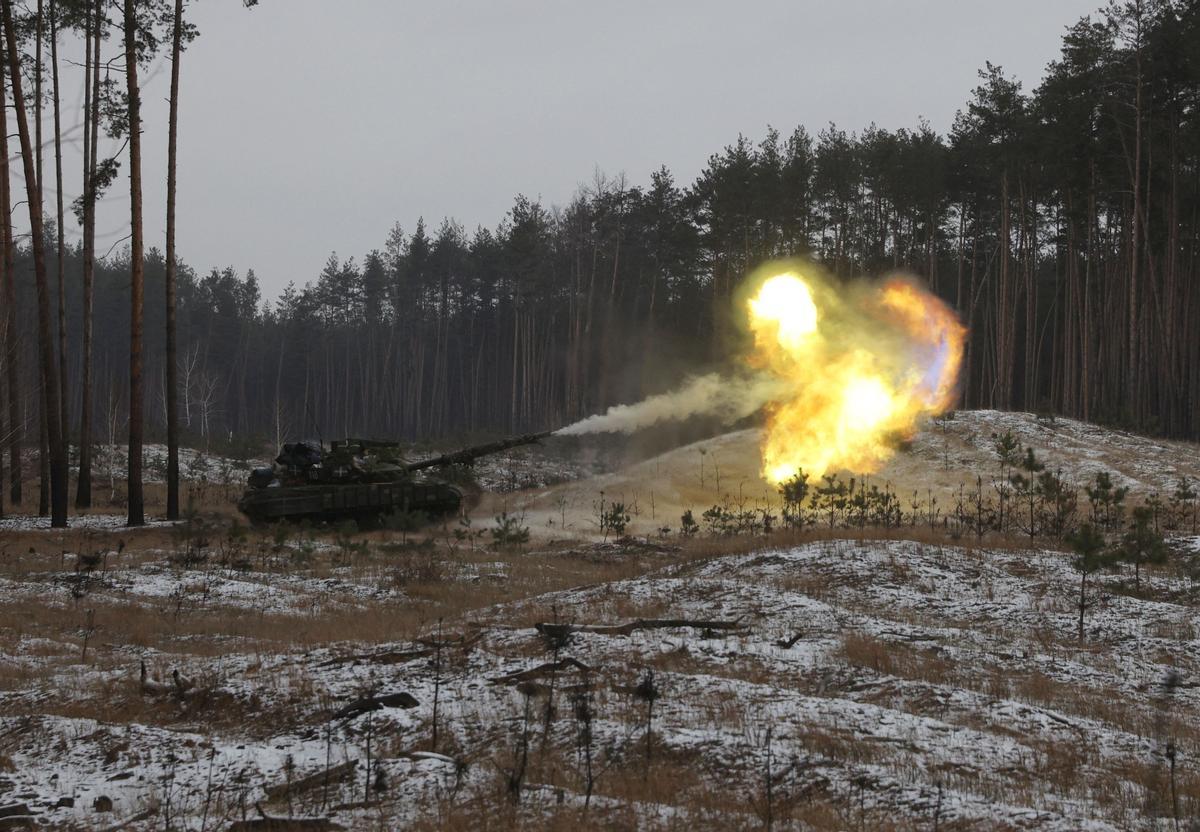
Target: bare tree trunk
16	423
44	439
58	456
1133	379
1005	320
172	370
137	515
64	403
43	454
91	123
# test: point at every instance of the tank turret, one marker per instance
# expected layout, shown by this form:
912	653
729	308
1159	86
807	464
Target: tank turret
358	479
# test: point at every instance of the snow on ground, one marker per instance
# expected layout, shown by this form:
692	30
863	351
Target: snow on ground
527	467
882	684
166	586
195	465
1079	450
97	522
885	683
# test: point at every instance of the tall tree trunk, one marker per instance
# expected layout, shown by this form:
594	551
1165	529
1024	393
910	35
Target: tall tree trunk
44	438
172	381
1133	380
64	402
43	454
137	515
1005	319
91	137
12	348
58	456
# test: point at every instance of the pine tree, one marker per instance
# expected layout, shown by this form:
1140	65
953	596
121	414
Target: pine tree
1091	556
49	369
137	515
1142	544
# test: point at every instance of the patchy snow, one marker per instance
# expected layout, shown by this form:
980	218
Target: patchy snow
887	684
524	468
898	681
171	589
195	465
105	522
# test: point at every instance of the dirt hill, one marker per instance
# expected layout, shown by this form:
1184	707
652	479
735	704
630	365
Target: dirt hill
944	455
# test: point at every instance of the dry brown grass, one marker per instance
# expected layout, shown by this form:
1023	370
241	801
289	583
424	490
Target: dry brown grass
709	797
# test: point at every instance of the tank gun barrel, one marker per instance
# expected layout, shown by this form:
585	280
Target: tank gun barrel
468	455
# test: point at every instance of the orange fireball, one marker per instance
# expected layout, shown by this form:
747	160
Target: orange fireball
862	362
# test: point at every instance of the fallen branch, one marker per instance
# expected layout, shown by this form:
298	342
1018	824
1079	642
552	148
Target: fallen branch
542	689
540	671
17	816
269	824
430	755
376	703
304	784
138	818
907	636
428	647
562	630
385	657
463	642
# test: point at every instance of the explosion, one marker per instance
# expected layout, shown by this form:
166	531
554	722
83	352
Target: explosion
843	370
862	365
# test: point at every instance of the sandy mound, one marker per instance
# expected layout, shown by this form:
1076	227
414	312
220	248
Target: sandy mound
945	455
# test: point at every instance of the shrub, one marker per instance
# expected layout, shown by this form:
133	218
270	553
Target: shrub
794	490
508	533
688	525
1142	543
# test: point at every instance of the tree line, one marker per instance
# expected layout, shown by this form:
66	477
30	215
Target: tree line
1060	222
39	372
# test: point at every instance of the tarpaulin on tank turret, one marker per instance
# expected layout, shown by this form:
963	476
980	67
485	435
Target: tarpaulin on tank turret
300	454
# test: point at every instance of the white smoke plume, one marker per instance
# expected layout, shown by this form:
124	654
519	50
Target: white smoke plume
724	397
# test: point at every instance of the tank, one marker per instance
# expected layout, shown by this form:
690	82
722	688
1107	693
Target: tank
359	479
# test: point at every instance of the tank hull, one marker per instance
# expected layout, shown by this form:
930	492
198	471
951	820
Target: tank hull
357	501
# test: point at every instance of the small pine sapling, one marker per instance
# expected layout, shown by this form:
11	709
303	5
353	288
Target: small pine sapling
982	510
794	490
614	519
832	497
1142	544
1185	505
508	533
556	638
648	692
1091	556
688	525
1107	502
1025	488
1008	451
1059	502
584	716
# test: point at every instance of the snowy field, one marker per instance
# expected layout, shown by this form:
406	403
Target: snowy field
882	685
204	676
195	465
95	522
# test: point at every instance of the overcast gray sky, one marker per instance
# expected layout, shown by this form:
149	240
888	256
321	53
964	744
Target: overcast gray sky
309	126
